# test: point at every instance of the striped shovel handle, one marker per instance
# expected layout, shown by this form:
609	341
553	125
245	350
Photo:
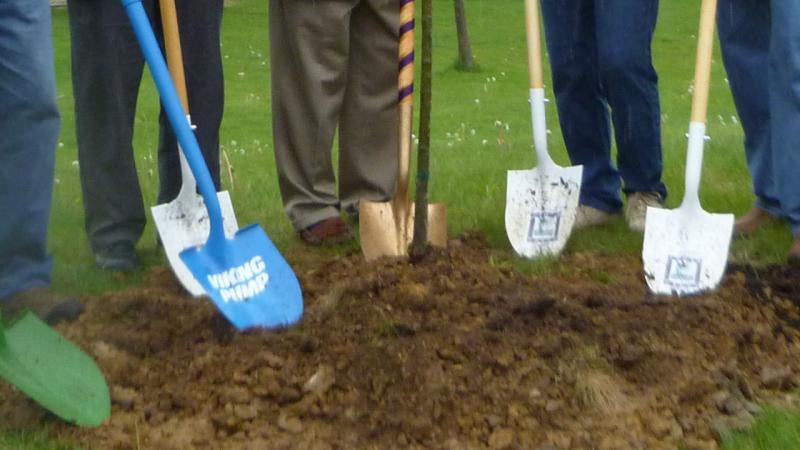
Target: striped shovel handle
405	95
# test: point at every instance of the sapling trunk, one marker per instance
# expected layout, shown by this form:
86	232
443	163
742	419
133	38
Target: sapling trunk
420	242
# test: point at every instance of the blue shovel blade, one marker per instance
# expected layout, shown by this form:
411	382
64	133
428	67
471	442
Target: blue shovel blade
248	280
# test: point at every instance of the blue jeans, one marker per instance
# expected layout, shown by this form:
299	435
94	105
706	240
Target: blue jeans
761	51
29	123
603	72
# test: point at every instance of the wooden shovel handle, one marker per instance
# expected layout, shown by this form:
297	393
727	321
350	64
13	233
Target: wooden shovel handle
702	73
533	34
172	42
405	97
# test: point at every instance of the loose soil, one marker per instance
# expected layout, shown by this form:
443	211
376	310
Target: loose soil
457	351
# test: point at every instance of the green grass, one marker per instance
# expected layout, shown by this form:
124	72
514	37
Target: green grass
778	430
480	130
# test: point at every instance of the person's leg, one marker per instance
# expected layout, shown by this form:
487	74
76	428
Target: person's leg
309	42
29	123
106	72
199	24
784	82
625	32
368	132
583	114
744	34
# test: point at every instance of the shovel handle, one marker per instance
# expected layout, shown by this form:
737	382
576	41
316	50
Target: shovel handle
697	127
702	70
172	43
405	96
533	35
175	114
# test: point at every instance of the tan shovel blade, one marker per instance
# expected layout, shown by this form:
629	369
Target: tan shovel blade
387	229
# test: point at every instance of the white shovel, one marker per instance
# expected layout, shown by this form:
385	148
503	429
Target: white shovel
540	203
183	223
686	249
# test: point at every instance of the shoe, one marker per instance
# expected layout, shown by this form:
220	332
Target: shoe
636	211
326	232
794	253
752	221
587	216
44	303
118	257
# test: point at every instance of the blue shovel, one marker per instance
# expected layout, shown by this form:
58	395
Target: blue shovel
246	277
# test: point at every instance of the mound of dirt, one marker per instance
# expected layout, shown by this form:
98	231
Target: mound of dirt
458	351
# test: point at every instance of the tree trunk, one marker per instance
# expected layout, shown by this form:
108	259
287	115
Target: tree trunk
464	47
420	242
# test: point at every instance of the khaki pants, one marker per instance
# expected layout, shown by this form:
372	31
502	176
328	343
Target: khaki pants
334	64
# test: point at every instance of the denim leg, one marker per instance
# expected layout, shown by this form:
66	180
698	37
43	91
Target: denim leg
29	123
107	68
199	23
582	110
744	34
784	95
630	83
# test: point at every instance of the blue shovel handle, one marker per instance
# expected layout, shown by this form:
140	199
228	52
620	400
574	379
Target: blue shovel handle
176	115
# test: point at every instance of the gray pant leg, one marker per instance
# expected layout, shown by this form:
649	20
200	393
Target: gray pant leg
309	42
199	23
106	71
368	132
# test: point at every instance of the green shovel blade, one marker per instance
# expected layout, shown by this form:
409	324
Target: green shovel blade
53	371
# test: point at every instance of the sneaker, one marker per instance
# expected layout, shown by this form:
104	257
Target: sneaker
44	303
326	232
794	252
118	257
587	216
636	211
752	222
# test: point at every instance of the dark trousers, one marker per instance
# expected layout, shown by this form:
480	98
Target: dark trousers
603	73
29	124
107	67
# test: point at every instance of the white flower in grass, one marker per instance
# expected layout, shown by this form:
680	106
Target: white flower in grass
477	101
734	120
60	145
484	142
241	74
57	180
472	131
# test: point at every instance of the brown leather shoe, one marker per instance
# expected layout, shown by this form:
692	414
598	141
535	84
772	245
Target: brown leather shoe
330	231
794	252
752	221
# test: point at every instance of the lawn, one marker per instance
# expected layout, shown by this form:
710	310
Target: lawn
480	130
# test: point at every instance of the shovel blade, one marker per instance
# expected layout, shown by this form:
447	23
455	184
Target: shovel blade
540	209
184	224
387	230
247	279
53	372
685	251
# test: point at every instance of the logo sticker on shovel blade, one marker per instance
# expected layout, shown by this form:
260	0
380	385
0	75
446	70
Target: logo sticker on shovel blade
544	226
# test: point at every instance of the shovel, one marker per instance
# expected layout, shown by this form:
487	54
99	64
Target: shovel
245	276
53	371
183	222
685	250
386	228
541	203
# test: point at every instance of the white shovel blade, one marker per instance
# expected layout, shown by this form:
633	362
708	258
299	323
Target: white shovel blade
182	225
540	209
685	251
